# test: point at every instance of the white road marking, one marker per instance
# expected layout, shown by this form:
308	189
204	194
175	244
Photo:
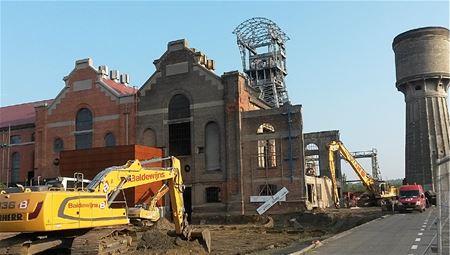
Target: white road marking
414	247
424	226
420	234
422	229
417	239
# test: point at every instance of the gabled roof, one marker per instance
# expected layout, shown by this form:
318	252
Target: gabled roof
121	89
19	114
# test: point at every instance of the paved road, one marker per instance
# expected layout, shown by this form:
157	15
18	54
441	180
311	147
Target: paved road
409	233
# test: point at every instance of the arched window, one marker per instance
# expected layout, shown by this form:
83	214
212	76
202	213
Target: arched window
180	128
15	167
179	107
110	140
312	147
212	144
312	159
58	145
84	120
83	126
267	155
149	138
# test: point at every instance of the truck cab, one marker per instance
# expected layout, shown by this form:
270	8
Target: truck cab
411	197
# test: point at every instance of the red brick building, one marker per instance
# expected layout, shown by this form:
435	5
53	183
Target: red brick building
94	109
17	141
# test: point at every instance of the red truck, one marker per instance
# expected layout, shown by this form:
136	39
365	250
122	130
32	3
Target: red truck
411	197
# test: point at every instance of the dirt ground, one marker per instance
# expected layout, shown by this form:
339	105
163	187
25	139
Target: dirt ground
247	235
251	234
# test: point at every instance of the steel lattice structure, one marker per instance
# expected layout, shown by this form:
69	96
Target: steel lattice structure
266	69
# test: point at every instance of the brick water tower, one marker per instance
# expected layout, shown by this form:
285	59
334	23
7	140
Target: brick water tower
422	71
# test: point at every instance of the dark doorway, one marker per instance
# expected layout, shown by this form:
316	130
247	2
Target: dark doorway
310	192
187	197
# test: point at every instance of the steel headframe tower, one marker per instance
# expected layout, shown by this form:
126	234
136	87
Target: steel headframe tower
266	68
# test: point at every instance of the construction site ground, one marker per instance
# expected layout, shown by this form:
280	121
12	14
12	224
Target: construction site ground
267	234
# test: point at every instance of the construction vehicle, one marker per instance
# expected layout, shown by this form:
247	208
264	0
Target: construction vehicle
92	220
379	191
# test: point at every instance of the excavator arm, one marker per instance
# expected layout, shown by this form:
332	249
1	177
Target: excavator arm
112	180
366	179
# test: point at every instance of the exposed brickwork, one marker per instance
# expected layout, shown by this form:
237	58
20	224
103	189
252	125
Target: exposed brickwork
25	150
57	120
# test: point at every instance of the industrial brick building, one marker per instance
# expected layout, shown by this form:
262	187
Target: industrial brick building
232	144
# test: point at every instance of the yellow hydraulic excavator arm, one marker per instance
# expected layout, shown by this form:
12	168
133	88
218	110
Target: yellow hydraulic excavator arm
113	180
365	178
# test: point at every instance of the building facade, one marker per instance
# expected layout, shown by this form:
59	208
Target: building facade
233	145
94	109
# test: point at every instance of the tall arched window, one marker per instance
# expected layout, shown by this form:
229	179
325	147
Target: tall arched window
312	159
149	138
83	124
15	167
267	156
212	144
179	126
110	139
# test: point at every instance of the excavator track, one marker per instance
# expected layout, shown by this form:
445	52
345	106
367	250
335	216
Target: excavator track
103	241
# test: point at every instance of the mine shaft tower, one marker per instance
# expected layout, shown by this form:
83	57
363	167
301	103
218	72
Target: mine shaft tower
263	53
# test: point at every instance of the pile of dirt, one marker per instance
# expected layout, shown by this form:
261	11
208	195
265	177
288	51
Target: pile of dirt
160	239
156	239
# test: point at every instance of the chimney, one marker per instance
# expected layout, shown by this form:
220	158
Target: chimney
114	75
84	63
103	71
125	79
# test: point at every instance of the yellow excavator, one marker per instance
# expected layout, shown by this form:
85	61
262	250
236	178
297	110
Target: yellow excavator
379	191
90	220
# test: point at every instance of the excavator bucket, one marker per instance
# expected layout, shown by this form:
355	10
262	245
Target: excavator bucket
203	235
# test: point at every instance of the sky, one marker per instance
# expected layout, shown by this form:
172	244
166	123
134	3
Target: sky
339	57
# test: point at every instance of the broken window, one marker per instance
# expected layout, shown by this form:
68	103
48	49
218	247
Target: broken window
312	159
212	144
268	190
212	194
267	156
83	127
110	140
180	128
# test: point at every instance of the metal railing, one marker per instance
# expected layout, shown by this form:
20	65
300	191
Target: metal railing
442	187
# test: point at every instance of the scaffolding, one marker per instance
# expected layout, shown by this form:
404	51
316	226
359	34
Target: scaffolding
262	46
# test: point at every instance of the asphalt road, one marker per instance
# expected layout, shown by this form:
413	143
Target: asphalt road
408	233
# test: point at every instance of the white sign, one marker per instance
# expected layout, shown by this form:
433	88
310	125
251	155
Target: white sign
262	199
275	198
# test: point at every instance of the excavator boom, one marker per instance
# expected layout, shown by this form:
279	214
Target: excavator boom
96	206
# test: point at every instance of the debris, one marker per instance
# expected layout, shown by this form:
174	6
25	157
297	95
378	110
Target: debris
269	223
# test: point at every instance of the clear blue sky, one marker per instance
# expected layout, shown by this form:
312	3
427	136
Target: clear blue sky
340	60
